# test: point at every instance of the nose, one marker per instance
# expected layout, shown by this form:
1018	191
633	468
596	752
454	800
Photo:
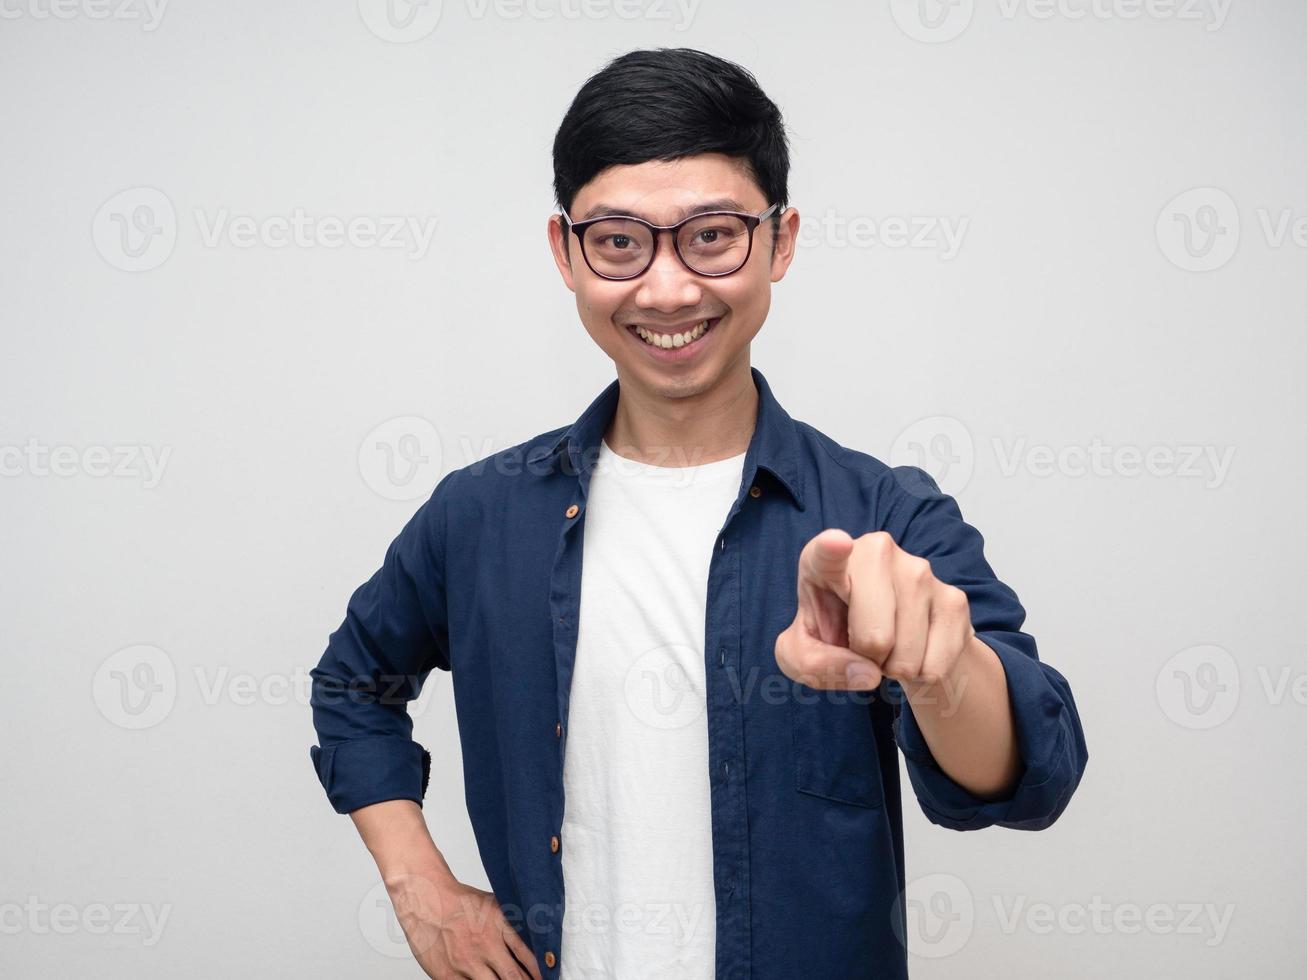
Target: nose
667	285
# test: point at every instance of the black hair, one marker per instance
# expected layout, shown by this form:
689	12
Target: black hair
668	103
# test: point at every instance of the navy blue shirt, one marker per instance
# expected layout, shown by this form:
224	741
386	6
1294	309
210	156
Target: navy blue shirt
484	581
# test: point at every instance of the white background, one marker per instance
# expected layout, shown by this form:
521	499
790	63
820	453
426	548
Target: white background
1066	139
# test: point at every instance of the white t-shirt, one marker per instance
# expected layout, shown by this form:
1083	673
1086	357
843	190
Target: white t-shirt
637	828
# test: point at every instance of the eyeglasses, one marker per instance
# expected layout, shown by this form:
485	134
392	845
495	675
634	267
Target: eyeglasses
711	243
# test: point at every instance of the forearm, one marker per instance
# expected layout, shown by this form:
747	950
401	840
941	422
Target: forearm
966	719
397	837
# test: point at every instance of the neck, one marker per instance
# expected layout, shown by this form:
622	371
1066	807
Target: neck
713	424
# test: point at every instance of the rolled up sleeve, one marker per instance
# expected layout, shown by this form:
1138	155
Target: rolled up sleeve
395	631
927	522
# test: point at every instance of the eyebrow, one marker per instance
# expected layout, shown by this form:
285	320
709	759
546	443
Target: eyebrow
720	204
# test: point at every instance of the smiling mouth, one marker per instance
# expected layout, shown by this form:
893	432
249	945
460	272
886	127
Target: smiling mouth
673	339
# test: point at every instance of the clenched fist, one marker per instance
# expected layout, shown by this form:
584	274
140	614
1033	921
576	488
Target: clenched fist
867	610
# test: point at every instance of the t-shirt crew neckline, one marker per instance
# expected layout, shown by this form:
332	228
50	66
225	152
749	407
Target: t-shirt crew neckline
634	467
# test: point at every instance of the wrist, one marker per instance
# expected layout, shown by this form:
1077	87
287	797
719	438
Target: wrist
943	697
396	836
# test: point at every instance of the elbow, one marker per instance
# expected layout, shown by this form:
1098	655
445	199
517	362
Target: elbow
1041	804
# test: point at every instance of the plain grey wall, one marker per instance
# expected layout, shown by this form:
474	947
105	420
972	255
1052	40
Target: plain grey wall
1053	251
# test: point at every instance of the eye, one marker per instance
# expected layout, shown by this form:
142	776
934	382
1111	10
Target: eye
714	236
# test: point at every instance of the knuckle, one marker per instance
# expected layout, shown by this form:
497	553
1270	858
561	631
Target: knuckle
876	541
916	570
953	598
872	639
897	665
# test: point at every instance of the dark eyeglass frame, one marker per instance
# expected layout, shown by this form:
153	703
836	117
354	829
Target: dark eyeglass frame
751	221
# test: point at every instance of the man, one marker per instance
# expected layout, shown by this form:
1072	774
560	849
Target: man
679	753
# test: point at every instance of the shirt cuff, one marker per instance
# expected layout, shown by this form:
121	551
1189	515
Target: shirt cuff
368	770
1052	758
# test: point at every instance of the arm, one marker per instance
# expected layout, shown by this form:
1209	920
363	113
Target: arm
394	633
961	765
990	734
397	837
966	721
452	928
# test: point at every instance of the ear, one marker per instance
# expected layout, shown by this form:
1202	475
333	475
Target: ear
560	244
786	239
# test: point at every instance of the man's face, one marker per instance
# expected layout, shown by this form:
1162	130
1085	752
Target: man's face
668	298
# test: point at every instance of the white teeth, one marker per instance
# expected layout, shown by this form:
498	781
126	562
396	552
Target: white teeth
669	340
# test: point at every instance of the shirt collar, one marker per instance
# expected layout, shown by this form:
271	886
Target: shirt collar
773	447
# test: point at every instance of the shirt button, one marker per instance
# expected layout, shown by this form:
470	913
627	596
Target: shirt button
550	959
558	730
571	511
553	843
755	491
